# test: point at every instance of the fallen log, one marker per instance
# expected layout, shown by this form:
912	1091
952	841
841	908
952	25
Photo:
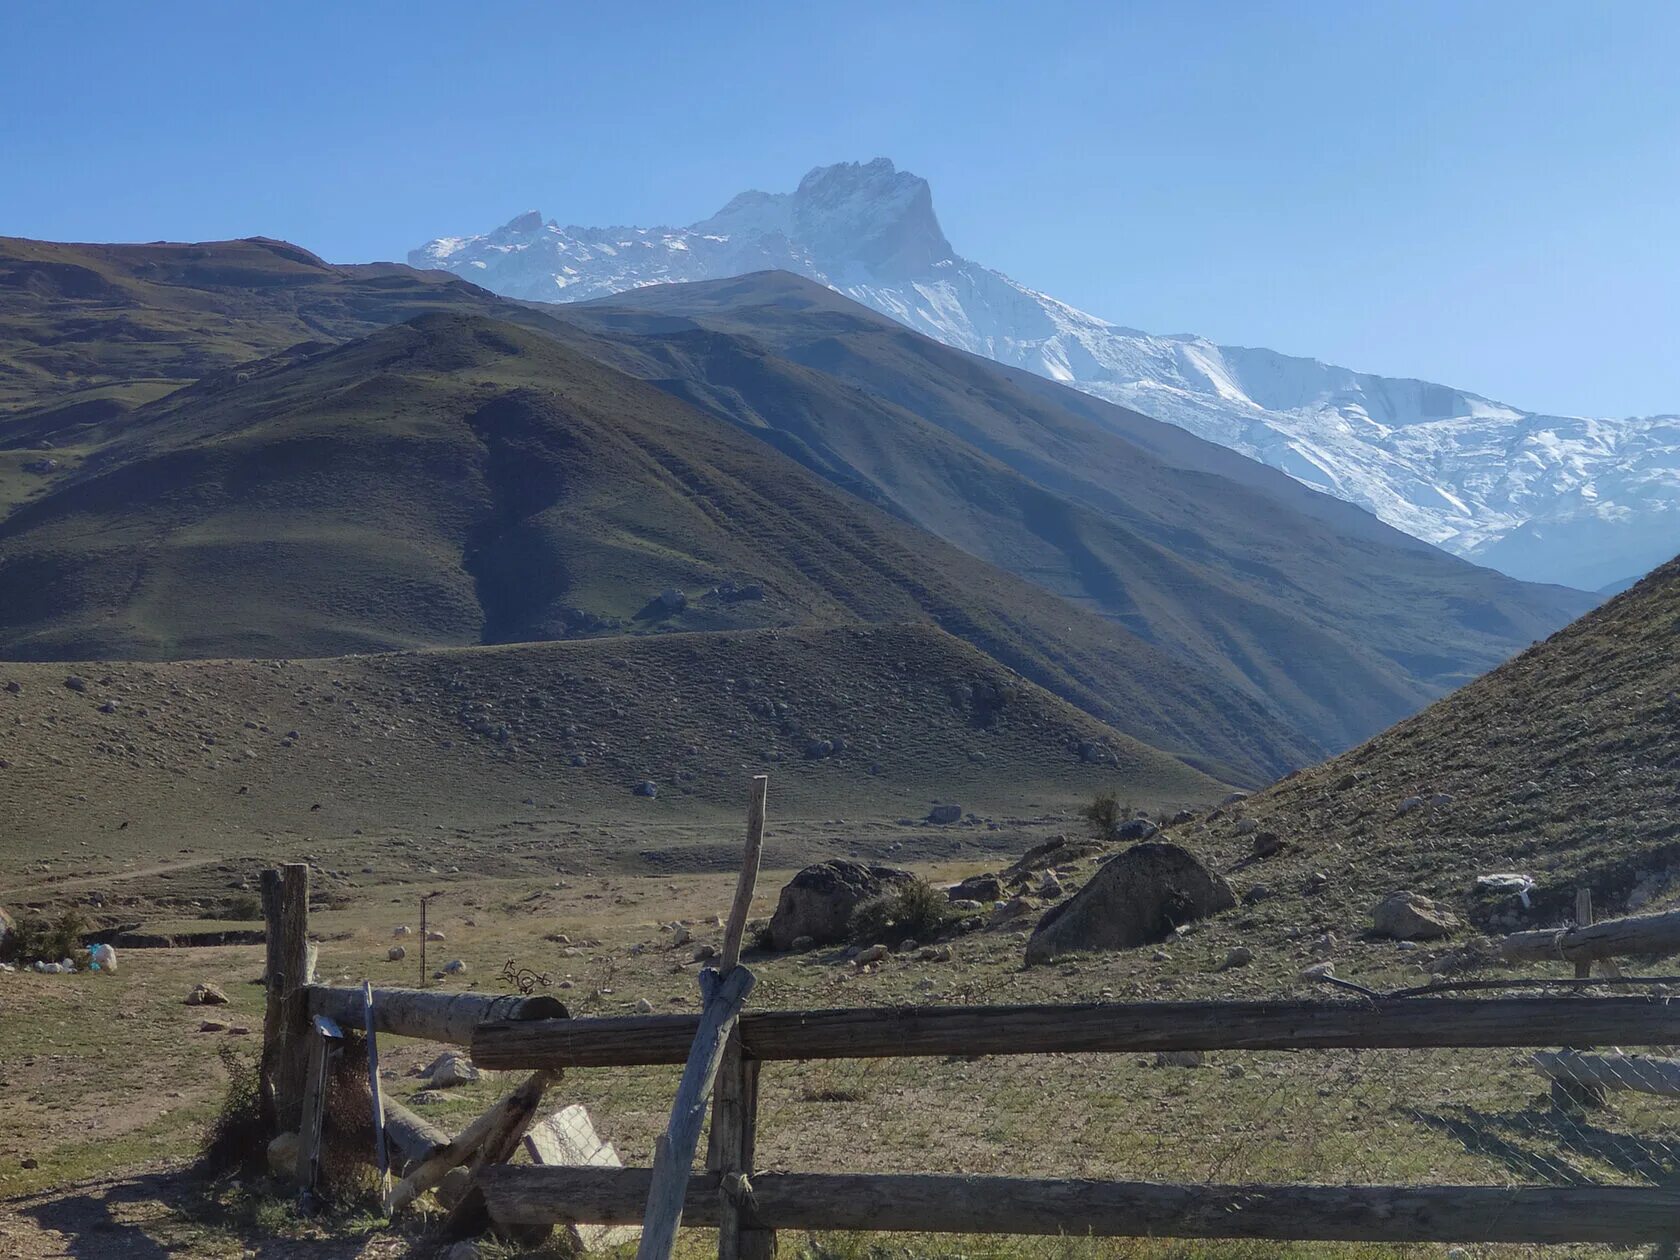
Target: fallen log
889	1032
412	1137
431	1169
1611	938
469	1217
1019	1205
429	1014
1598	1072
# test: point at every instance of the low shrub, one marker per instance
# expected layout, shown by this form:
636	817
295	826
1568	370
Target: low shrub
913	910
36	939
236	1139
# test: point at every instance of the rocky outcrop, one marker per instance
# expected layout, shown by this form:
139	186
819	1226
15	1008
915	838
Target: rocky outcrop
1137	898
1406	916
820	900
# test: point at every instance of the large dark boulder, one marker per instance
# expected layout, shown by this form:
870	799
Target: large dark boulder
819	901
1137	898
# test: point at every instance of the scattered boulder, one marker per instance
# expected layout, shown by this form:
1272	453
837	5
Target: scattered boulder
1318	971
643	1007
1256	893
1407	805
1240	956
943	814
804	942
1134	829
819	901
454	967
450	1069
282	1156
1140	897
1051	887
1180	1058
1233	798
401	929
647	788
1247	826
432	934
396	953
1055	851
206	994
977	888
76	682
1183	816
1406	916
1266	844
874	954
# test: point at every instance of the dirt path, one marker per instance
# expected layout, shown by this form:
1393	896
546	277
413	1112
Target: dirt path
57	883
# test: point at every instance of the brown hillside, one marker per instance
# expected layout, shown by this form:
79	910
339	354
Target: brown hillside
1563	764
148	757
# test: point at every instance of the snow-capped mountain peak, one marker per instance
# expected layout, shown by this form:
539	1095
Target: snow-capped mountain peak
1587	502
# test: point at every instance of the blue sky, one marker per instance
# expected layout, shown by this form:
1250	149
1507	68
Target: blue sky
1485	194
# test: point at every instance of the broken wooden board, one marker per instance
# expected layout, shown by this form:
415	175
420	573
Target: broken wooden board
568	1138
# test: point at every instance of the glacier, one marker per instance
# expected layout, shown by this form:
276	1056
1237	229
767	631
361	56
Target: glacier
1580	501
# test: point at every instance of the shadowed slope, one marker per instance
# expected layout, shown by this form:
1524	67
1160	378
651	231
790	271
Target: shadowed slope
458	480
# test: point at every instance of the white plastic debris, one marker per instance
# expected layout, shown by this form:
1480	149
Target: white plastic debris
1507	884
103	957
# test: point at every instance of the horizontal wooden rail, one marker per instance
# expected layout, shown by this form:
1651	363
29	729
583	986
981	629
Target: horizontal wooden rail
1019	1205
429	1014
890	1032
1612	938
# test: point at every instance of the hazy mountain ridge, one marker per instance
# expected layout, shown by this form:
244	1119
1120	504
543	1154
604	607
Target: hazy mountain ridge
1581	501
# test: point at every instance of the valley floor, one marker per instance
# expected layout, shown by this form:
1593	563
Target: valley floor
106	1082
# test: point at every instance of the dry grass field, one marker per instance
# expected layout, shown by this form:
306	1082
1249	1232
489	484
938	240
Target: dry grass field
107	1081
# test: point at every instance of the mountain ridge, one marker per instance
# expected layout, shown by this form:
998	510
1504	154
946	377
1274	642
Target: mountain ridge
1573	500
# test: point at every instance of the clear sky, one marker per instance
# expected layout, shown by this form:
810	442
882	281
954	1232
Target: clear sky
1485	194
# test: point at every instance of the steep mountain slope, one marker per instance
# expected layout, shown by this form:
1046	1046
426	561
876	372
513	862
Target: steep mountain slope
1563	764
1342	623
540	734
1585	502
457	480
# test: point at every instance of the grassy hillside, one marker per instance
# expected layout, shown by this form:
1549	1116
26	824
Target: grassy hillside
1563	764
1341	623
234	755
456	480
87	331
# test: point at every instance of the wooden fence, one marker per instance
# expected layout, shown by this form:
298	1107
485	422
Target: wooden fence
748	1205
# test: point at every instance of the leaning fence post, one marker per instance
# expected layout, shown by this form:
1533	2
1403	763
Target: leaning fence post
285	1057
725	991
735	1104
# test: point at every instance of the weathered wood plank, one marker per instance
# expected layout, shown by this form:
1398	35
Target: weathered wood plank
430	1014
888	1032
470	1217
1623	1215
429	1171
1611	938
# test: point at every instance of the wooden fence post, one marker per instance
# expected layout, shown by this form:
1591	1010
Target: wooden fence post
285	1057
735	1104
1583	918
725	991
